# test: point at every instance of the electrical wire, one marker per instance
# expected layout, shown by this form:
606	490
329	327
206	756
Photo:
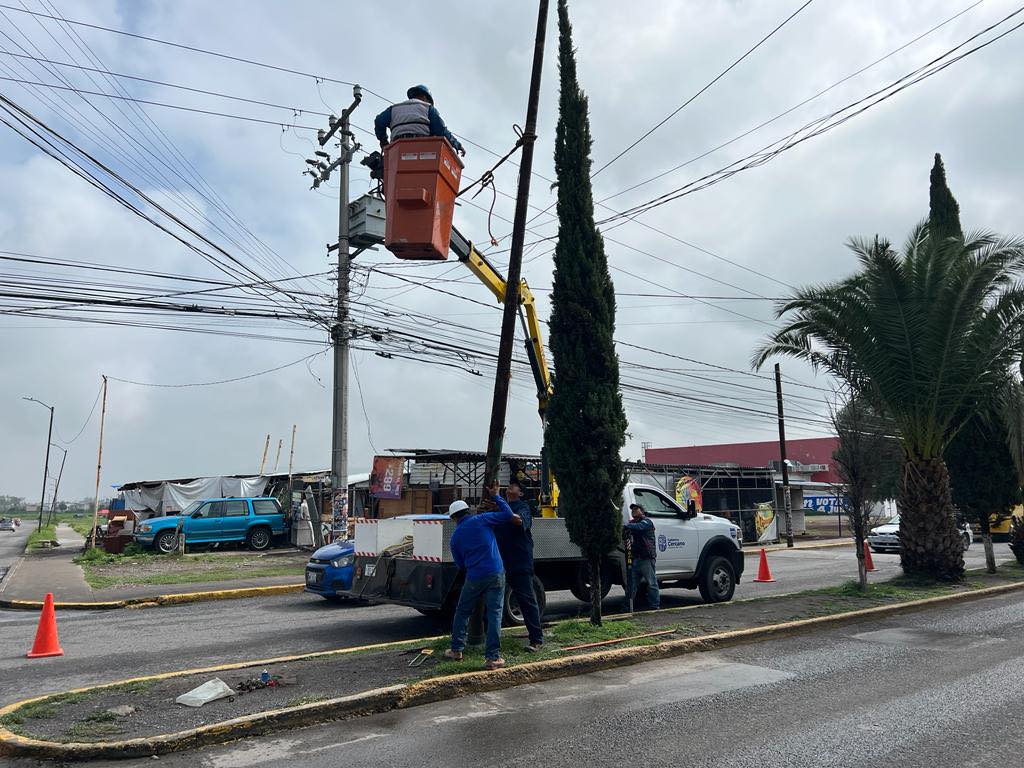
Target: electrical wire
690	100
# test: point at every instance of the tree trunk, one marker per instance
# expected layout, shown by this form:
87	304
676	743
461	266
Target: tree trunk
990	554
862	569
931	547
595	591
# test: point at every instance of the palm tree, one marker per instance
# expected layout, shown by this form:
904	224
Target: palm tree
923	334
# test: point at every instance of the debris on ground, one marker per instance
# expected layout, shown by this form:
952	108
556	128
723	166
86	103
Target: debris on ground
209	691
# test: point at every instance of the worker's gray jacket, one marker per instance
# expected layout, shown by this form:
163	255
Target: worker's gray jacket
412	118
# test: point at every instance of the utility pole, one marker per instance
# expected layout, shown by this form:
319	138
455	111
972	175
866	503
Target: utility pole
503	373
787	500
277	458
46	461
291	457
56	487
321	171
266	447
99	465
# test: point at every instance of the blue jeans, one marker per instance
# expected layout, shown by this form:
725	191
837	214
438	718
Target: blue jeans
521	584
643	570
493	590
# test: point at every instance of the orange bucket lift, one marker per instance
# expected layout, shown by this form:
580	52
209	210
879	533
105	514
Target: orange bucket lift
421	182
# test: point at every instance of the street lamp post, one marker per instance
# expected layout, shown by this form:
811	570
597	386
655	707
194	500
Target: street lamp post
46	462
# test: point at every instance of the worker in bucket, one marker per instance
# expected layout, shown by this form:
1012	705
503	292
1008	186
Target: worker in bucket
644	549
413	118
515	543
475	550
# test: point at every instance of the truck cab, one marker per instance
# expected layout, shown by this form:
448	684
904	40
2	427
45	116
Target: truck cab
695	550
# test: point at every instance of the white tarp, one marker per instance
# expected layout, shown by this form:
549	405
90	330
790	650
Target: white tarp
167	498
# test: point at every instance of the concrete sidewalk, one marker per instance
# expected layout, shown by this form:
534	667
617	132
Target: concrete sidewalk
51	570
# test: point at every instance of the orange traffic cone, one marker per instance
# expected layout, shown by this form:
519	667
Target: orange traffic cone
46	643
763	571
869	564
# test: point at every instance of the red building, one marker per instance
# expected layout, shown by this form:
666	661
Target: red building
810	451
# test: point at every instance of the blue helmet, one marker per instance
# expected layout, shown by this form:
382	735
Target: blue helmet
419	89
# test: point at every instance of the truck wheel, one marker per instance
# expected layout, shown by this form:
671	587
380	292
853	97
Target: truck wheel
718	581
166	542
581	585
512	614
258	539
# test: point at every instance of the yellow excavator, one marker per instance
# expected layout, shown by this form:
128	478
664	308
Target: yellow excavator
496	284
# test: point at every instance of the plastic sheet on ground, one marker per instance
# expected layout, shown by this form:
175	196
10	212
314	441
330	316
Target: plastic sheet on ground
209	691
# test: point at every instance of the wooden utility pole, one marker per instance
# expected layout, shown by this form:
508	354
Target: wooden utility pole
56	487
46	461
787	500
277	457
266	447
99	465
503	373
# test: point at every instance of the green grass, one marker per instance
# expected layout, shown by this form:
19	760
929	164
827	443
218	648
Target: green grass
562	635
98	726
299	701
46	533
48	707
104	571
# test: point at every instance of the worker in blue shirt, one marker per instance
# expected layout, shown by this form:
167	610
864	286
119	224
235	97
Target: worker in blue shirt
515	543
644	549
475	551
415	117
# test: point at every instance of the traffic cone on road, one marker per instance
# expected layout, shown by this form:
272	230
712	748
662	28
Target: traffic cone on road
46	643
869	564
764	573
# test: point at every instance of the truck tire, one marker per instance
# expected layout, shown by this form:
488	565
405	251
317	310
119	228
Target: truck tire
166	543
511	615
581	585
258	539
718	581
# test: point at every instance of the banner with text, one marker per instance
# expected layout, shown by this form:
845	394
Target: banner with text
386	477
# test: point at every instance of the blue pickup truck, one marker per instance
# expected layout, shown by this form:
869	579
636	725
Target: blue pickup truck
255	521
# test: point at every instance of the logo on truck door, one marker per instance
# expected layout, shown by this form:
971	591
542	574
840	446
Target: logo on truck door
662	543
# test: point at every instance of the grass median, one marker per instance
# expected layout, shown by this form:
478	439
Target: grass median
138	567
145	708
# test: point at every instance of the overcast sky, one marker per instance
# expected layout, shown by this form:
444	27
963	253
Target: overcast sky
782	224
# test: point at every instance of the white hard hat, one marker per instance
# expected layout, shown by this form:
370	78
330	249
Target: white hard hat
457	507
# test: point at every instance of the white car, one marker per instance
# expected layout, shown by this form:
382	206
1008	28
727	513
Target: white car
886	537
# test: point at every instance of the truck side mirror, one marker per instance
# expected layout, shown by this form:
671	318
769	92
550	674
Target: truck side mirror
691	508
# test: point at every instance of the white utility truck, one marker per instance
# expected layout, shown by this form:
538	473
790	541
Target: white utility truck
408	561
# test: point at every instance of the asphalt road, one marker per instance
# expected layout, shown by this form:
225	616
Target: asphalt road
932	689
101	646
12	545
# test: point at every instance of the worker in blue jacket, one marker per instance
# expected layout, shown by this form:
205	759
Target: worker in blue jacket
515	543
415	117
644	549
475	550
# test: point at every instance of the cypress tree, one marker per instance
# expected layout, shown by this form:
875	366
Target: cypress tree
943	211
586	423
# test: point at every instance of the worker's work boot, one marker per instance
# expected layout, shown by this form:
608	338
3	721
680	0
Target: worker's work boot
494	663
453	655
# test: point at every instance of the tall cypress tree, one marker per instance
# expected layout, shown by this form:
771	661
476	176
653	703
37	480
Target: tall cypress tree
586	423
943	211
981	469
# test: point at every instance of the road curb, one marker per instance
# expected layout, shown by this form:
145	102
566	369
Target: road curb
437	689
154	601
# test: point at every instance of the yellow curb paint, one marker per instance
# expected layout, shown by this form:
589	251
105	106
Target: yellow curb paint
179	598
436	689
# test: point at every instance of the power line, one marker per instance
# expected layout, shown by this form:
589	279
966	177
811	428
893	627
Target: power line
192	48
821	125
795	107
221	381
690	100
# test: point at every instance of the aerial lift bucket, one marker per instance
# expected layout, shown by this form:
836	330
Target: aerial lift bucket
421	182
